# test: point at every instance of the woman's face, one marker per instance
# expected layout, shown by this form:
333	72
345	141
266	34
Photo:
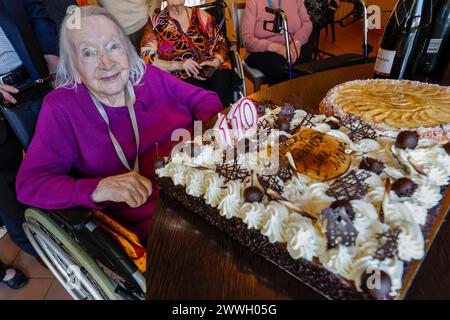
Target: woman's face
100	59
175	3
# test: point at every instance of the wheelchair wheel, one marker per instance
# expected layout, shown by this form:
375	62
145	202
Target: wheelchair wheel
77	272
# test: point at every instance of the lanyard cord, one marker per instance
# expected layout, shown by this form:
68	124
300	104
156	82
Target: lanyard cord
270	2
130	98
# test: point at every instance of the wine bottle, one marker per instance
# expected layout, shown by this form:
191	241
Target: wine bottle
435	55
408	22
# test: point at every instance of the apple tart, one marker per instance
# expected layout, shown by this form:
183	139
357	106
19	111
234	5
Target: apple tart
390	106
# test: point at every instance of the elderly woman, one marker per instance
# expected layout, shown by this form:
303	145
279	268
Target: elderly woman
96	136
267	50
188	43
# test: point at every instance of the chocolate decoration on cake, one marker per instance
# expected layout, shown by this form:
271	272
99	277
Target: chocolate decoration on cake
271	182
339	227
253	194
350	187
260	109
264	125
404	187
407	140
284	124
333	124
447	147
372	165
231	171
377	288
287	112
390	247
283	138
316	154
284	171
159	163
266	104
359	130
346	205
306	122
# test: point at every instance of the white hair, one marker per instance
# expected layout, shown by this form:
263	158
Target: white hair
65	74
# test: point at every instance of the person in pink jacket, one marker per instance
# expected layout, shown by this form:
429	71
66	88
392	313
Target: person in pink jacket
267	50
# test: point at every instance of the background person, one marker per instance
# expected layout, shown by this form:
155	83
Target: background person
187	42
267	50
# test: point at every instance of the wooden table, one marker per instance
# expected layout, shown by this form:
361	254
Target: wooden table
190	259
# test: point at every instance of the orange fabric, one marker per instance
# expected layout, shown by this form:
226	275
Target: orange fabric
86	2
127	239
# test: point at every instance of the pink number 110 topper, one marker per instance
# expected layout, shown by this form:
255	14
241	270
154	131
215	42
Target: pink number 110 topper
221	127
243	116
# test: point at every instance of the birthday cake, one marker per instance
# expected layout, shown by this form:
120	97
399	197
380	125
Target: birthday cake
342	208
390	106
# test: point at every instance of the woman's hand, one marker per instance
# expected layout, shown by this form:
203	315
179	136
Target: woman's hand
130	187
278	48
6	91
191	67
215	63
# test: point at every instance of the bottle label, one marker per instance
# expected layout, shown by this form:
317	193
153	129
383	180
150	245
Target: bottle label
434	45
385	61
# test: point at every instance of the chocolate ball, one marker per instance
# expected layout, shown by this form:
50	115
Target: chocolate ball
372	165
284	124
159	163
261	109
407	140
333	125
287	112
253	194
377	288
283	138
404	187
346	205
447	147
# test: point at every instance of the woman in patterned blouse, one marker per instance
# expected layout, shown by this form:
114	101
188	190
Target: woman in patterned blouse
188	43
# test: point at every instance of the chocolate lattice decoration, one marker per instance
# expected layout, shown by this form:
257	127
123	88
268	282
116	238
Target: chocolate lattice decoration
358	128
271	182
284	172
306	122
264	125
232	171
339	227
350	187
390	247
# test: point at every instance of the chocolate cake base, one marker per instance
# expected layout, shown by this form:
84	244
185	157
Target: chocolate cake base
310	273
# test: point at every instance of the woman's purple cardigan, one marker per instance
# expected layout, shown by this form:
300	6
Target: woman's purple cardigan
71	150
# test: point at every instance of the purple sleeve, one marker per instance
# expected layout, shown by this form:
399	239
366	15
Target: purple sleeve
43	179
202	104
304	32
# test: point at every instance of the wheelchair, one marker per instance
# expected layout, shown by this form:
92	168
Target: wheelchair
83	257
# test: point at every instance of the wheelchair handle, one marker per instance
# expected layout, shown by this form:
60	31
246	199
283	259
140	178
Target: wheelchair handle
37	83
